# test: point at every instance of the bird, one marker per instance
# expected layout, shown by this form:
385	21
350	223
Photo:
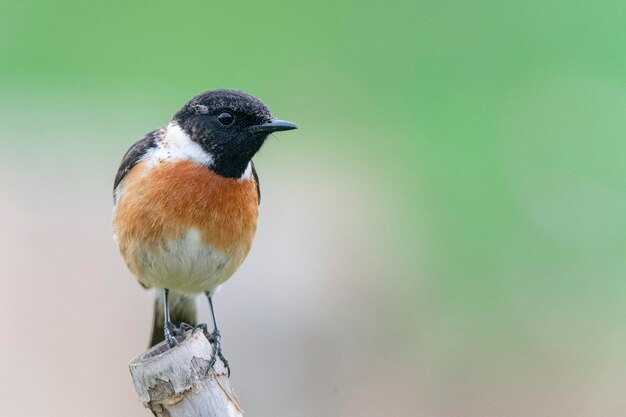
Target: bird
186	200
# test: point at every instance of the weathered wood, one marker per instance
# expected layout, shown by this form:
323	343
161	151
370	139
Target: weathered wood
178	382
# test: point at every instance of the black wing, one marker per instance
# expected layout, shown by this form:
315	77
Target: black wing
256	180
134	154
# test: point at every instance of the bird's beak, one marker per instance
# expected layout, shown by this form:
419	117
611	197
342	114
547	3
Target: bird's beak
274	125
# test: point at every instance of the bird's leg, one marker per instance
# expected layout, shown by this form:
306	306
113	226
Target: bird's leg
215	337
168	326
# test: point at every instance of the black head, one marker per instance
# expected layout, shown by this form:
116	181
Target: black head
230	125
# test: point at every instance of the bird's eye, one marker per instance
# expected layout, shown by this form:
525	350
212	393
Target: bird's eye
225	118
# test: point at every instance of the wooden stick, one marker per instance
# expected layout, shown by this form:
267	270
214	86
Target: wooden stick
178	382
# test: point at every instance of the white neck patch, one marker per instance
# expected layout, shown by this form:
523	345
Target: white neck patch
247	174
176	145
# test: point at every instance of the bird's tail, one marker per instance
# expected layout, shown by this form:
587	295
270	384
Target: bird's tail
182	310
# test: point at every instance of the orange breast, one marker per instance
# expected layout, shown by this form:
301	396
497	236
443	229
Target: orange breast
162	202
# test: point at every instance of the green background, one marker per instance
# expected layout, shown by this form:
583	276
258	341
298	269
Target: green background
475	147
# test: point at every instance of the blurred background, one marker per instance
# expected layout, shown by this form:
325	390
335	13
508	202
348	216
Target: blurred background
444	236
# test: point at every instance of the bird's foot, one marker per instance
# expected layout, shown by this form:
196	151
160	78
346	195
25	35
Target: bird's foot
170	331
185	327
215	338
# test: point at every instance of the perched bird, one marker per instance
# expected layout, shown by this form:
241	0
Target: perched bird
186	204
